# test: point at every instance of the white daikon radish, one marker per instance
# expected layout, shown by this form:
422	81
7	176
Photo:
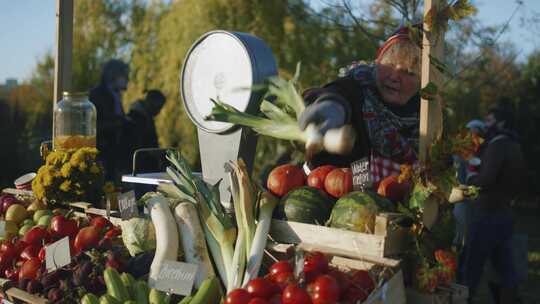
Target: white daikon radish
193	241
166	235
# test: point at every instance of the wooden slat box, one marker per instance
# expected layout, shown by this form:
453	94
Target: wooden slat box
387	239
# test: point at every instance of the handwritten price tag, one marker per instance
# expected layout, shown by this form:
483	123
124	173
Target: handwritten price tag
128	205
361	174
176	277
57	254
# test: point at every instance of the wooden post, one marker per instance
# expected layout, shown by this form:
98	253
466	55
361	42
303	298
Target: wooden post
64	37
431	122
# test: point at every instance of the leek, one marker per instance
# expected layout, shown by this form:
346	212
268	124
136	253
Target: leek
267	203
244	199
281	119
218	227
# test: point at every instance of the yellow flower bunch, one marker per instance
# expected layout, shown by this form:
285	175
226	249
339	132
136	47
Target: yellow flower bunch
70	175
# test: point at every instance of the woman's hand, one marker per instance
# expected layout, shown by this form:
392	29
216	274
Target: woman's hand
326	115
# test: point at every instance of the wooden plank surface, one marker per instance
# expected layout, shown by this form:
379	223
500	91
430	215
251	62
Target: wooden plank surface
431	119
64	44
14	191
21	295
295	233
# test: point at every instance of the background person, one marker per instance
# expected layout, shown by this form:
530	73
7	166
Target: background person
491	226
107	97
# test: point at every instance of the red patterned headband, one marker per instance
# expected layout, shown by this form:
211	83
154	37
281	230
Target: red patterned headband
400	35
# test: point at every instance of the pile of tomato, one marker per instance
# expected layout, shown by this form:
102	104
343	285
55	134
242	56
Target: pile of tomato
322	284
24	258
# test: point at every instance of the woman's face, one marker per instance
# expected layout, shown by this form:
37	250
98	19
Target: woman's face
396	83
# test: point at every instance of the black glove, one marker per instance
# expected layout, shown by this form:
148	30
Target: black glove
326	114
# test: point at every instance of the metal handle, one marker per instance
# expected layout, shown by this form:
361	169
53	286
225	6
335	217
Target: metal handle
144	150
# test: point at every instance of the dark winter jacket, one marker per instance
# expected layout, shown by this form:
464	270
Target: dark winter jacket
501	174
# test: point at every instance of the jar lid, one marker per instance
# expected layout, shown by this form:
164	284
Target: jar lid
74	94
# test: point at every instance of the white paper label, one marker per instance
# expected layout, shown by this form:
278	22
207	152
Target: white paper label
176	277
57	254
128	205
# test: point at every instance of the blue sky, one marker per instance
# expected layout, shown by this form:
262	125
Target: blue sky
27	30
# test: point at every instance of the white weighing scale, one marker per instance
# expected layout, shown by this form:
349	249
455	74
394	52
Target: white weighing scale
222	66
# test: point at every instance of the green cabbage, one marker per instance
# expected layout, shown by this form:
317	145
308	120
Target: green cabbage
138	235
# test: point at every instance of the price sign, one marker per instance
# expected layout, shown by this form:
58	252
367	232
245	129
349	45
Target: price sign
361	174
176	277
57	254
128	205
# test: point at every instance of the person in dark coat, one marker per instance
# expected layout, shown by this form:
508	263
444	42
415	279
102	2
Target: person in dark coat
107	97
381	101
491	226
141	129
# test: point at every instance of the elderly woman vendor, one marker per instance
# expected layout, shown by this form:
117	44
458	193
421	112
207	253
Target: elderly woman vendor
381	101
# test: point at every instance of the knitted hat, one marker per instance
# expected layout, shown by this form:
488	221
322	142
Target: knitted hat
401	34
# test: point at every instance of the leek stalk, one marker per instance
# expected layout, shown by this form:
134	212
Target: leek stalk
244	199
267	203
279	122
219	230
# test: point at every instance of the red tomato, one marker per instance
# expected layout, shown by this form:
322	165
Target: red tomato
5	262
325	290
392	189
262	288
113	232
354	295
316	178
61	227
362	280
276	299
292	294
281	266
36	235
31	251
20	245
87	237
314	265
284	178
238	296
8	249
41	254
338	182
100	222
258	301
29	269
283	279
341	278
12	274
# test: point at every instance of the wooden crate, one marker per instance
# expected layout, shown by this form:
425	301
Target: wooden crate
391	291
453	294
387	239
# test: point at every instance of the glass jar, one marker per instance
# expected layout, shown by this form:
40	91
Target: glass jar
74	122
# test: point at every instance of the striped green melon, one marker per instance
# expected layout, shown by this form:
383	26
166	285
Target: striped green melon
306	205
356	211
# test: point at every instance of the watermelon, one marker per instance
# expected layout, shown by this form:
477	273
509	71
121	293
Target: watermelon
384	204
306	205
356	211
